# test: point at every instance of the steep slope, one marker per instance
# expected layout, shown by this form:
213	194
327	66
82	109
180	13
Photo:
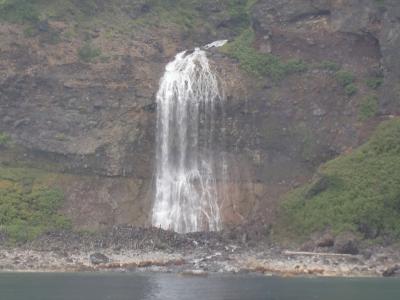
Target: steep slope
358	191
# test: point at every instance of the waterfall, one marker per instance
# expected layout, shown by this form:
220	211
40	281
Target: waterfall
186	195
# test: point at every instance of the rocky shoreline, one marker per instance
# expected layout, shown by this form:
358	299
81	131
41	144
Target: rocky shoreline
128	249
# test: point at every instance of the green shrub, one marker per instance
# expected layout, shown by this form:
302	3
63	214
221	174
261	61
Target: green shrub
328	65
295	66
60	137
368	107
344	78
359	191
88	53
239	13
4	139
374	82
350	90
19	10
88	7
28	210
260	64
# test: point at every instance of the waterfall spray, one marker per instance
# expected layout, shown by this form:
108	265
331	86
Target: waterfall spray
186	196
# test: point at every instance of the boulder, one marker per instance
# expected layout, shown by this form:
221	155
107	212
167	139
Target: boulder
346	244
98	258
392	271
327	240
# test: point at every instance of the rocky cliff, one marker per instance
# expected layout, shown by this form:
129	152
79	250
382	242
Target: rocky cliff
305	81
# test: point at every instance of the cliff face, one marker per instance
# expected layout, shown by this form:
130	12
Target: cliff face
77	97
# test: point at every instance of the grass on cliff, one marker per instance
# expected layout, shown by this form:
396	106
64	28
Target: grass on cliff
359	192
28	207
88	53
369	107
120	15
19	10
261	64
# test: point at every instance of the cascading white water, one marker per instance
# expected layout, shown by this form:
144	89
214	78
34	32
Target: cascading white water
186	196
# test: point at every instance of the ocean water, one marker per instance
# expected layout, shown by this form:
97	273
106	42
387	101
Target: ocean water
138	286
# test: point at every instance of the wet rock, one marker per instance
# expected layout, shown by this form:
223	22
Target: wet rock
150	107
98	258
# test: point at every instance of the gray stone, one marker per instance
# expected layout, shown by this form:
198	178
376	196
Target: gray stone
98	258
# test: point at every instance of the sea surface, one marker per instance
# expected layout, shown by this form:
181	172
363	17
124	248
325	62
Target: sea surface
138	286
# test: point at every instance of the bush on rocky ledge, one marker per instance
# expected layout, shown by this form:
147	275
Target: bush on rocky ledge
261	64
4	139
359	192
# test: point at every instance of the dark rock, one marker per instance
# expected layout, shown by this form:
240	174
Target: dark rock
346	244
367	254
392	271
327	240
308	246
43	26
98	258
145	8
150	107
21	122
369	231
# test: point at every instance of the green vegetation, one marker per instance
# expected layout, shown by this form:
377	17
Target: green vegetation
252	61
19	10
346	80
351	90
189	15
28	207
60	137
306	138
359	192
374	82
368	107
4	139
380	3
239	13
88	53
261	64
328	65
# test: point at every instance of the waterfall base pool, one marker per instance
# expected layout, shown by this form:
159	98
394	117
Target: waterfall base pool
134	286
